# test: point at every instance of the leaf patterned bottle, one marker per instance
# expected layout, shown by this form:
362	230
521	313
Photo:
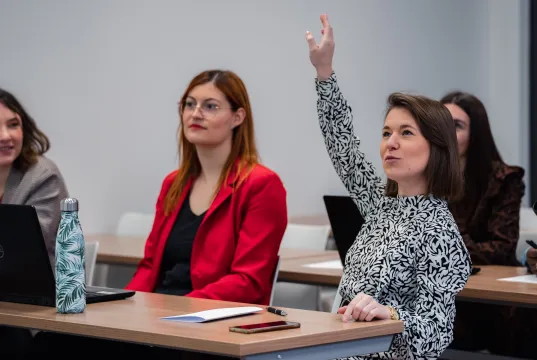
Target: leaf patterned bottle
70	261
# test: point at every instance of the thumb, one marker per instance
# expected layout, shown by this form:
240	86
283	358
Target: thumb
311	40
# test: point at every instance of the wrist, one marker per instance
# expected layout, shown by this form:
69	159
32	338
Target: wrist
324	73
394	315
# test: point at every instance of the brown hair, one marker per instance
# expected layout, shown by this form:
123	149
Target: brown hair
243	149
482	152
443	173
34	141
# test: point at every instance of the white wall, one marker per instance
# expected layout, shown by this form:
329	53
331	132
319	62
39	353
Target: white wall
508	80
103	78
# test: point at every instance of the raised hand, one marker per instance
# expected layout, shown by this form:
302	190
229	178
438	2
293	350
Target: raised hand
321	54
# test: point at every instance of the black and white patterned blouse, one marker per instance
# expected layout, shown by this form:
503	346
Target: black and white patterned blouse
408	254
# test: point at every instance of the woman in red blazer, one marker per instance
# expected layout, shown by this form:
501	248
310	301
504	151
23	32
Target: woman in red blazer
221	217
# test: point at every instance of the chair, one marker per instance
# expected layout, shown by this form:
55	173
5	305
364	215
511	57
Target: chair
298	236
300	296
135	224
91	258
130	224
274	280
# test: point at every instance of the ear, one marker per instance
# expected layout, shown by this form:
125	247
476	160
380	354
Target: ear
238	117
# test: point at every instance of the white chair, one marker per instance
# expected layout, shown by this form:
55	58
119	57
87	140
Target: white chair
300	296
298	236
135	224
130	224
91	249
274	280
528	230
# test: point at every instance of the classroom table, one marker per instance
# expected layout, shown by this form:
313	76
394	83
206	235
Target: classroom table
484	287
129	250
137	320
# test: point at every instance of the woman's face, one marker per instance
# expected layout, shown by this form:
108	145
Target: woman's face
10	136
462	126
403	149
208	119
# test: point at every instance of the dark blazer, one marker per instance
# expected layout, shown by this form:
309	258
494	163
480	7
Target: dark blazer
235	250
43	187
491	231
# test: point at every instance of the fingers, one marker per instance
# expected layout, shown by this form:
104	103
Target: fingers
360	312
347	315
342	309
373	313
327	29
366	310
311	41
355	308
324	21
532	253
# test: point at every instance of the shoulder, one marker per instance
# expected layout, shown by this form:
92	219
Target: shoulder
441	226
503	172
506	180
260	176
43	167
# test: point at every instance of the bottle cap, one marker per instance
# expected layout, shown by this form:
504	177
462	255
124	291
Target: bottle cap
69	204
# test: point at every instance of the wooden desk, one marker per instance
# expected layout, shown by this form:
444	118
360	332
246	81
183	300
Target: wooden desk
293	270
318	219
321	336
484	287
129	250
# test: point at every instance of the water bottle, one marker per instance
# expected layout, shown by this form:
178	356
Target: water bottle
70	261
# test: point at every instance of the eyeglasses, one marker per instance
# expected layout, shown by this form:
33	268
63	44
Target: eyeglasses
207	110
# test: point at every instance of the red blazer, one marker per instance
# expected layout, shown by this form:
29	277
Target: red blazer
236	247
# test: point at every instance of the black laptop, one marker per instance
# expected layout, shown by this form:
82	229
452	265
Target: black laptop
26	274
345	221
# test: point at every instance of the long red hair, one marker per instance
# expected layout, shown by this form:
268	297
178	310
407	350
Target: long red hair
243	150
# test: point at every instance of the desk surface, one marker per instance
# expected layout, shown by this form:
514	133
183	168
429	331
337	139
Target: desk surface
293	270
483	287
137	320
129	250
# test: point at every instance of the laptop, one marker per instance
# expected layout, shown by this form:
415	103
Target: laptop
26	274
345	220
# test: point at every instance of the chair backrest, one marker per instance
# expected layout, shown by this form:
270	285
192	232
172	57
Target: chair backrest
274	280
135	224
298	236
91	249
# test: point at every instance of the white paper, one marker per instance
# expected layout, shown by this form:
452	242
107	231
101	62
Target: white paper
334	264
214	314
532	279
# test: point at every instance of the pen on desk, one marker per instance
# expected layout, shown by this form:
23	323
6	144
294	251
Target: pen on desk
276	311
531	243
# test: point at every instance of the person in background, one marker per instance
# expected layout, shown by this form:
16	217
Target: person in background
408	261
488	217
27	177
220	218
